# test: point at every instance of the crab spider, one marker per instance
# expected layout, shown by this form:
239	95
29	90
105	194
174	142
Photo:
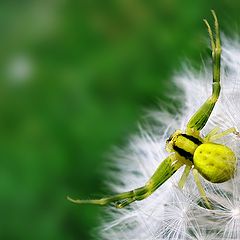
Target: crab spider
215	162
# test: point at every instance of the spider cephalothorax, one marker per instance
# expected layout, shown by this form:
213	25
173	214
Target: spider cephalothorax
183	144
215	162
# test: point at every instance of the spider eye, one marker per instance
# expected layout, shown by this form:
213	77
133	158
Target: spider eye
169	139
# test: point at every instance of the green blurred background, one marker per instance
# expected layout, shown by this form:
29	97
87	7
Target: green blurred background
75	78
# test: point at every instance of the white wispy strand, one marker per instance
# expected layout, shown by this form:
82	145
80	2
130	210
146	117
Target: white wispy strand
171	213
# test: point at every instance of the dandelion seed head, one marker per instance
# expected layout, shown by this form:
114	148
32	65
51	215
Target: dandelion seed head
236	213
171	213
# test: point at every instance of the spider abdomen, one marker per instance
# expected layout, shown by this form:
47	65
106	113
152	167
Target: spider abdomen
215	162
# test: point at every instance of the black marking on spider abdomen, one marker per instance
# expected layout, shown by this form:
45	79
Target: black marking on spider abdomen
183	153
192	138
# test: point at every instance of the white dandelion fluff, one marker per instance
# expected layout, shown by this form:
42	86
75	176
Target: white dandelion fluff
171	213
199	206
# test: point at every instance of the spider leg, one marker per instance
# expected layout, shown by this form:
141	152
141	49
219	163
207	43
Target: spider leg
200	118
213	132
216	136
165	170
124	203
200	188
184	176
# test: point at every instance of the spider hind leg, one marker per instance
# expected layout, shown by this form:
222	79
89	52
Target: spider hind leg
201	189
184	176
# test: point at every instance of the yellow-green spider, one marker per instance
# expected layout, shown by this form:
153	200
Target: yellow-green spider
215	162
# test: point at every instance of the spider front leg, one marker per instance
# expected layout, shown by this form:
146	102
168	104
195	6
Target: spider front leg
200	118
165	170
